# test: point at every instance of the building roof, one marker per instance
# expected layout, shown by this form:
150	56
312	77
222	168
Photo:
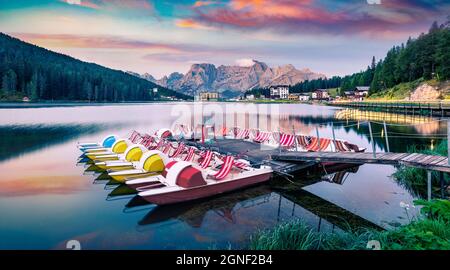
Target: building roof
362	88
322	90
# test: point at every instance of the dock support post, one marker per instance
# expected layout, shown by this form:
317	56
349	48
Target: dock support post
441	181
372	141
279	139
387	139
448	142
295	138
429	185
318	137
334	136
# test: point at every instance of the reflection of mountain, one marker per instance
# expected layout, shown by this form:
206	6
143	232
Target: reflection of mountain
18	140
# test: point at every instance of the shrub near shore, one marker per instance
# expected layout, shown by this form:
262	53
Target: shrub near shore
429	232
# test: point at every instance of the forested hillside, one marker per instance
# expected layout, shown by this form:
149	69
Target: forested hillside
427	57
40	74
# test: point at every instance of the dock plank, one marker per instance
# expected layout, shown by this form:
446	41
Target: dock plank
291	161
438	163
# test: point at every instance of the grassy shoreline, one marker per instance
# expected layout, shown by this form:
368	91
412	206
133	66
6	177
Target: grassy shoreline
431	230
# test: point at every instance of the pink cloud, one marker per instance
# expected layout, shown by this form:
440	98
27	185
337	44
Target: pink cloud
313	16
105	42
137	5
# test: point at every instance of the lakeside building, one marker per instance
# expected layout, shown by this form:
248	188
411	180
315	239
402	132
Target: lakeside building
349	94
320	94
279	92
359	93
208	96
294	97
304	97
250	97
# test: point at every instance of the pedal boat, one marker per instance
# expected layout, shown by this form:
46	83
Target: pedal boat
107	142
185	181
119	147
151	163
128	160
204	159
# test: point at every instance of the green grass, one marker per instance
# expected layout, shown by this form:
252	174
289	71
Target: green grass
429	231
414	179
425	234
398	92
287	236
403	90
333	92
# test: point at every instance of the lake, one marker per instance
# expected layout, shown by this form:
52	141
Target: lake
47	198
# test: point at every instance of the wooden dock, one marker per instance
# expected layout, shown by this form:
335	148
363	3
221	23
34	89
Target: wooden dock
254	153
429	162
431	108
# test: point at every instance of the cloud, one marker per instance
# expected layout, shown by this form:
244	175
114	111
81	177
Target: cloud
324	16
245	62
190	23
97	42
73	2
117	5
204	3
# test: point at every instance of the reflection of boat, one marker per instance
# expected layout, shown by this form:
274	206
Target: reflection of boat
339	177
136	201
121	190
185	181
194	213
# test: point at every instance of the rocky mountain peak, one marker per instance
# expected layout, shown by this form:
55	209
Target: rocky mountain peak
240	77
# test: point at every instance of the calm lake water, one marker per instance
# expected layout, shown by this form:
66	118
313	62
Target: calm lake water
47	199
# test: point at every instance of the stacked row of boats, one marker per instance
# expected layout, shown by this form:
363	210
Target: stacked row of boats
287	141
165	171
164	168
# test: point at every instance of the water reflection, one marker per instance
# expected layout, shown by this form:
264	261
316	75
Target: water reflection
21	139
54	200
287	200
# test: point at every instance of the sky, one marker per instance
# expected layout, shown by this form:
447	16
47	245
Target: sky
333	37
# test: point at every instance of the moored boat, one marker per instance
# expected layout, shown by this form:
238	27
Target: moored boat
128	160
185	181
151	163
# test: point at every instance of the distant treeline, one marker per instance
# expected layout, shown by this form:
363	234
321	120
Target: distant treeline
427	57
40	74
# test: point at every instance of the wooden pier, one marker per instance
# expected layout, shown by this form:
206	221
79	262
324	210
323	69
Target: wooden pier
428	162
255	153
431	108
294	161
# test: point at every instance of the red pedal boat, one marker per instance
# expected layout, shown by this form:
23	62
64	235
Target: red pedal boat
184	181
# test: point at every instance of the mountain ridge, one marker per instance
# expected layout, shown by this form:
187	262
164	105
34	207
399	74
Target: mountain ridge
36	73
208	77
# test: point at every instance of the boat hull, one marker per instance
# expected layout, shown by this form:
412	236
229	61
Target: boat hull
206	191
100	159
145	186
123	177
115	168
